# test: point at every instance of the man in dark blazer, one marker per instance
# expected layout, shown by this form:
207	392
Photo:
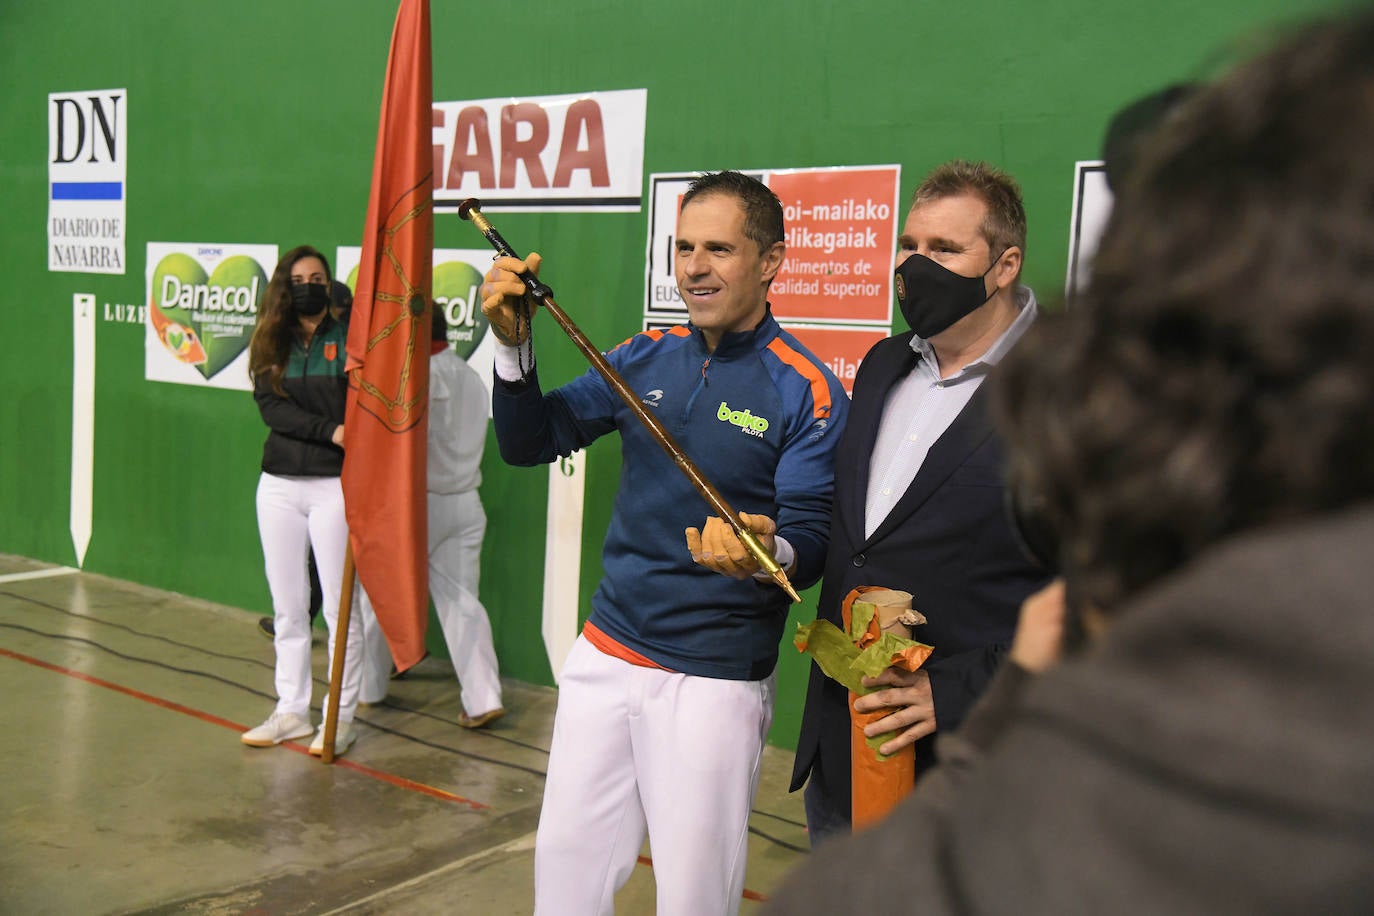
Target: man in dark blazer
919	481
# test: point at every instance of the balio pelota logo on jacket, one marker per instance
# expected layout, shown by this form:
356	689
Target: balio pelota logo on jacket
747	422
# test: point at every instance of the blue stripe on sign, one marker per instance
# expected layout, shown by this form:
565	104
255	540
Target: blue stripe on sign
87	190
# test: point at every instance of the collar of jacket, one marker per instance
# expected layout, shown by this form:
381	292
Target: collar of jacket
740	343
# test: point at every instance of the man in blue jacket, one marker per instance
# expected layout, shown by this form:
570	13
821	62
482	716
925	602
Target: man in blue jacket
666	698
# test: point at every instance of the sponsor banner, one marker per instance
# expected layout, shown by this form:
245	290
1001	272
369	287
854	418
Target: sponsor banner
841	228
551	153
202	306
457	280
1092	204
87	141
661	296
841	242
834	291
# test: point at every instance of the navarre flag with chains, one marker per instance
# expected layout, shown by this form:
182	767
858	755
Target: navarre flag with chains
388	351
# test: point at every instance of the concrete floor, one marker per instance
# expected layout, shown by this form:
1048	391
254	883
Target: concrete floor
126	789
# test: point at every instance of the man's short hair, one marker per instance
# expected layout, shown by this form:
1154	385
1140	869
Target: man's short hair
1004	226
1216	376
762	209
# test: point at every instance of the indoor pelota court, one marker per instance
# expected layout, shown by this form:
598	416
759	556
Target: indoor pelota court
128	790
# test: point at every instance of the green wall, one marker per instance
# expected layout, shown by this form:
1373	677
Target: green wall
254	121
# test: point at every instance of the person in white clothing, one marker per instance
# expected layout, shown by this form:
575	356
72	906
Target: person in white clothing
457	522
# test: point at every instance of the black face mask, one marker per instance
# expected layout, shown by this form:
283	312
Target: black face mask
932	297
309	299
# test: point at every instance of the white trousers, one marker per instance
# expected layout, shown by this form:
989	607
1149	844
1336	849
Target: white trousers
457	524
641	748
296	515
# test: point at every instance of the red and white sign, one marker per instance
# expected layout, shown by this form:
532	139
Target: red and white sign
552	153
841	241
834	291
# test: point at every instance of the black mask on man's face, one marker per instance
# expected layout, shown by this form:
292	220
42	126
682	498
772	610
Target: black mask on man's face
309	299
932	297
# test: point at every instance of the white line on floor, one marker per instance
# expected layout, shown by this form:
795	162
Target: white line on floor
39	574
519	844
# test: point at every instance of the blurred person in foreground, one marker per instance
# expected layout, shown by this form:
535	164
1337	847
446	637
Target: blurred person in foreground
1200	435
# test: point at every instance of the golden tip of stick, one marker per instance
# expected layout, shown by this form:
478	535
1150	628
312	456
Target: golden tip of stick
470	209
766	561
786	585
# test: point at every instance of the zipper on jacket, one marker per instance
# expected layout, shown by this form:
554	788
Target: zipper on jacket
704	383
305	389
305	384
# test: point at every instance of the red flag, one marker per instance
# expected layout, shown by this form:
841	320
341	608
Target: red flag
388	351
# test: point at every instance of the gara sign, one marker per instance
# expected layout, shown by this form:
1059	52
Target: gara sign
549	153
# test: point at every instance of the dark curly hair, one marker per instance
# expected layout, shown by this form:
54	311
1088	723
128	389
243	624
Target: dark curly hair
1217	376
271	344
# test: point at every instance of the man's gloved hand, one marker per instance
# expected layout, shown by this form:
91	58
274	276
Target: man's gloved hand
717	548
505	302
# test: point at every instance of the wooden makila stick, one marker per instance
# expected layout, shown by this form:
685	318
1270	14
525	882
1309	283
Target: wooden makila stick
470	209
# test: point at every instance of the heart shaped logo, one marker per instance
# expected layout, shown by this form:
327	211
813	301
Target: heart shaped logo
205	320
456	285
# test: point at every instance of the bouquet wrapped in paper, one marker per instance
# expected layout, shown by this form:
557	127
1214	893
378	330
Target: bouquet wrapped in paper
877	635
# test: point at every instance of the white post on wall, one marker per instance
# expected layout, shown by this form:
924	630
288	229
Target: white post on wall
83	421
563	557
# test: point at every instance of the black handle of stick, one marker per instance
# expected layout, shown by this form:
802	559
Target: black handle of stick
471	209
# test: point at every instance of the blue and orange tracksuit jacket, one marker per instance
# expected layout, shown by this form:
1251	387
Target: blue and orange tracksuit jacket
760	416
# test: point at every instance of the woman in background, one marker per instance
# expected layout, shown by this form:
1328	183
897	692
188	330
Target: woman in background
296	361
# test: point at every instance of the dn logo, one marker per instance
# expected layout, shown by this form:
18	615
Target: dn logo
747	422
84	127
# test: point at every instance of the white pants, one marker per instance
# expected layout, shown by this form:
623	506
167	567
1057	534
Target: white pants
457	524
636	748
296	515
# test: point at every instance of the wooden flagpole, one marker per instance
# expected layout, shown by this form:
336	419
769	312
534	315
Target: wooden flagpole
336	665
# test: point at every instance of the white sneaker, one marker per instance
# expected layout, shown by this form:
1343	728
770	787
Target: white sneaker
343	740
279	727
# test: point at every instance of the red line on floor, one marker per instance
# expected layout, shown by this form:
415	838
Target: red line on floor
747	895
398	781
